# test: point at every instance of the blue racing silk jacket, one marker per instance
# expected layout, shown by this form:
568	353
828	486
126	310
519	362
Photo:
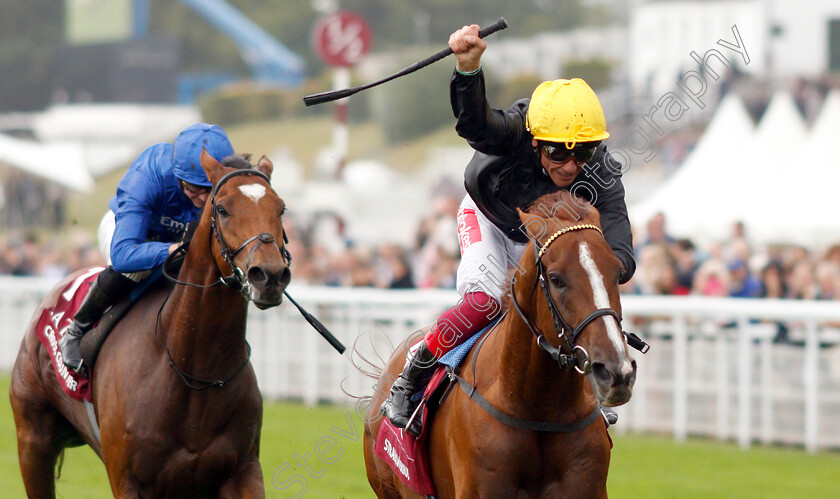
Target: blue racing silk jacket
151	211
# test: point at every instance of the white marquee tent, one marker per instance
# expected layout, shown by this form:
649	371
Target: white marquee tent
805	209
61	162
690	190
780	180
761	174
112	135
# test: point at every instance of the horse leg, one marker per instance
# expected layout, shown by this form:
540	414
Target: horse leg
39	436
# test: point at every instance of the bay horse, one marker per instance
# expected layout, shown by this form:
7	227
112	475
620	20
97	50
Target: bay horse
174	392
547	437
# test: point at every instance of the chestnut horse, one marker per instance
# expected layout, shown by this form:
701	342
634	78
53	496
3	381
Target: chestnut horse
173	388
547	438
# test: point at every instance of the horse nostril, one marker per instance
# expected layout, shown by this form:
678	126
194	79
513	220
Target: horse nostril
257	276
601	372
285	277
264	279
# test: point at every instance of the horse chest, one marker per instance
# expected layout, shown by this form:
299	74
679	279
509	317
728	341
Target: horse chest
189	448
182	465
534	465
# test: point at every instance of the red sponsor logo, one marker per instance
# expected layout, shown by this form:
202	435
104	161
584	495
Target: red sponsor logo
468	230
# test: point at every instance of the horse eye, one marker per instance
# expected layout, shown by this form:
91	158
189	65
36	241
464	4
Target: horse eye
222	211
556	281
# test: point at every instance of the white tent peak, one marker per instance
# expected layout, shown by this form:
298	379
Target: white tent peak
781	198
725	138
731	120
826	128
781	124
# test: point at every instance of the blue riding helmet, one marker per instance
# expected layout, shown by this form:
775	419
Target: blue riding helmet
186	151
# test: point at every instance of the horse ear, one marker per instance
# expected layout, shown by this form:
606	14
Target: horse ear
212	168
266	166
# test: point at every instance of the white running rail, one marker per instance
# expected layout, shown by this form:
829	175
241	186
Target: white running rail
716	366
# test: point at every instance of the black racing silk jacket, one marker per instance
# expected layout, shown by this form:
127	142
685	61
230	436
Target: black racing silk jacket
505	172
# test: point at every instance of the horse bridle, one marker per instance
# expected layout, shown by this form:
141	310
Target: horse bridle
581	364
578	356
237	278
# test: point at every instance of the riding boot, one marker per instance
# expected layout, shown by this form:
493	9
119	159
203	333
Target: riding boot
109	288
399	407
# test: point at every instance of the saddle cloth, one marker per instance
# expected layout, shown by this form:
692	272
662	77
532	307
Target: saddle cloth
53	324
405	454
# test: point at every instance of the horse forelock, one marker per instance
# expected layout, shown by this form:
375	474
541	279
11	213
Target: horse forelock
238	162
566	207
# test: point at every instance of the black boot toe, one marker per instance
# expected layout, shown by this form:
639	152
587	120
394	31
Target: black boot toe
70	352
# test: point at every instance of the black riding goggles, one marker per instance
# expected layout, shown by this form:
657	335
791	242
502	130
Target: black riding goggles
559	153
195	190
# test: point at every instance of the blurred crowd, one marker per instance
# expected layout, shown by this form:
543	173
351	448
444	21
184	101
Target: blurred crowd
733	268
29	253
324	254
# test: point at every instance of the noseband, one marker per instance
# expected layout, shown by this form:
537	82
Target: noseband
237	278
578	356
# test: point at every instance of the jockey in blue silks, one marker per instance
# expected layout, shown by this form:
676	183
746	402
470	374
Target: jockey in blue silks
161	193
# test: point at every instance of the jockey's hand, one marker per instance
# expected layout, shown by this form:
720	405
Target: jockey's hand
173	247
467	47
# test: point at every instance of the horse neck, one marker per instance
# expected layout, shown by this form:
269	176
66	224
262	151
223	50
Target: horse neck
204	327
532	379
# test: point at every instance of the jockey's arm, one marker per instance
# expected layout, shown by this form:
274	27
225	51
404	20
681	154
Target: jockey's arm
616	225
129	249
488	130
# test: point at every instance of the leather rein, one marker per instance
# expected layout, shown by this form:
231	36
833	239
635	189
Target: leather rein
578	358
541	426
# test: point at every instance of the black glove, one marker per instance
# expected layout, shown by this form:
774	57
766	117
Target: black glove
189	232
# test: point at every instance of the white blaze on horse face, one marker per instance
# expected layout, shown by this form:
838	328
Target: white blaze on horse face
253	191
599	290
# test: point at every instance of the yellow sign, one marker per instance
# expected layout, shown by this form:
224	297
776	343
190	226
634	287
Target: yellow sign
94	21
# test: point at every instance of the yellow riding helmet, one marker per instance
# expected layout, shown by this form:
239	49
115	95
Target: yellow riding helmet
566	111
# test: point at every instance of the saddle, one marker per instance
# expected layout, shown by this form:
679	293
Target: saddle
92	341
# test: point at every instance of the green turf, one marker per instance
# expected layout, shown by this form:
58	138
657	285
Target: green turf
649	466
293	438
314	452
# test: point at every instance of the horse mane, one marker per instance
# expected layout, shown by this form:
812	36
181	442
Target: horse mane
565	206
568	208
